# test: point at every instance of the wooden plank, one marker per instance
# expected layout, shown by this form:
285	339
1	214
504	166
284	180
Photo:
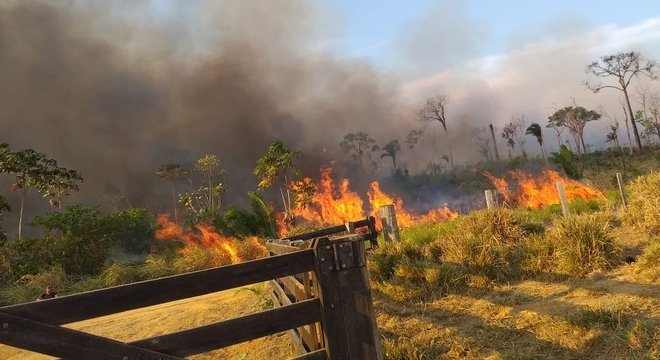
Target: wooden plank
210	337
294	287
332	316
296	342
327	231
67	343
281	249
314	342
67	309
362	333
314	355
281	295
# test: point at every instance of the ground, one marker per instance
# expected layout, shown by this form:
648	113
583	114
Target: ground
180	315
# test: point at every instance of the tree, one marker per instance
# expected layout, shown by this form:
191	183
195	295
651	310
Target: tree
32	169
172	172
535	130
359	145
481	138
651	125
514	130
622	67
414	136
390	149
434	110
277	162
574	118
4	207
209	167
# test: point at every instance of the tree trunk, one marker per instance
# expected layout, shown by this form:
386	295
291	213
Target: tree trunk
451	153
492	134
545	158
20	216
632	120
584	148
176	216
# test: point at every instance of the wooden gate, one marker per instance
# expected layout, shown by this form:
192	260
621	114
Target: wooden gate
340	306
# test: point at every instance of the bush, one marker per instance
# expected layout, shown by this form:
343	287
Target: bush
156	266
583	244
539	254
648	264
486	243
250	248
119	274
644	202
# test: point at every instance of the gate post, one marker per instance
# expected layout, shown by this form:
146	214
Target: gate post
347	315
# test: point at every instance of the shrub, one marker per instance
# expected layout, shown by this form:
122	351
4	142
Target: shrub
485	243
539	254
644	202
87	283
648	264
119	274
583	244
156	266
250	248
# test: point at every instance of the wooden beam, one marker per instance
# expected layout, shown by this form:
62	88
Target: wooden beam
68	309
68	343
294	287
314	355
280	249
210	337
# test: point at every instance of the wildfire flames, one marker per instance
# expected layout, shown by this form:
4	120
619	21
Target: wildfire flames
207	237
332	204
536	192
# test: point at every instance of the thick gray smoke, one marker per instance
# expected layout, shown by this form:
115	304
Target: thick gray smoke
115	98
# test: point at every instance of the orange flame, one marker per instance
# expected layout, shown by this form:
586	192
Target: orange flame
207	237
537	192
332	204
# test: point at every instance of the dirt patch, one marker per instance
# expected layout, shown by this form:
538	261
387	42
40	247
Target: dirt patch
180	315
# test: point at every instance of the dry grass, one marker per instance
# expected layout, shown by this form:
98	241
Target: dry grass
644	202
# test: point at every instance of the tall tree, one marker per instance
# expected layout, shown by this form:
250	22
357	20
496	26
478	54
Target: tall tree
4	207
359	146
278	162
481	138
209	167
574	118
435	110
414	137
391	149
173	172
535	130
514	130
34	170
622	67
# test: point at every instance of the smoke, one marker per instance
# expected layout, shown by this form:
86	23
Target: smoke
113	94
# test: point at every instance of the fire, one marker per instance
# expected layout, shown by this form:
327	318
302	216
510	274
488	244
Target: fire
332	204
207	237
378	198
537	192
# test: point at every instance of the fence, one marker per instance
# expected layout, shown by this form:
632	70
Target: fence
339	306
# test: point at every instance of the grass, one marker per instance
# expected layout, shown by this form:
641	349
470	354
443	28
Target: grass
644	202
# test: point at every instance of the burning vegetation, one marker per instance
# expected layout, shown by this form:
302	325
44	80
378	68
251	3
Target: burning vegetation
334	203
535	192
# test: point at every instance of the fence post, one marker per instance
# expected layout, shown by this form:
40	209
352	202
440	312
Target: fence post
562	199
490	203
390	225
622	192
347	315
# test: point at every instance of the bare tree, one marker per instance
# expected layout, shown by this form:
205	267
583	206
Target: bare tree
481	138
623	67
434	110
515	130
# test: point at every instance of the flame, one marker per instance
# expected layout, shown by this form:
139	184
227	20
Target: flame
537	192
207	237
332	204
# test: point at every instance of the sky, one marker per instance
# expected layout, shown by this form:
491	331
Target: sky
374	29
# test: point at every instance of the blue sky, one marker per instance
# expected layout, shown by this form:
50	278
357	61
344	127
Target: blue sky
373	29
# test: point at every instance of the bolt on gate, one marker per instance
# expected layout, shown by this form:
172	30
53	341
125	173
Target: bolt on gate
336	303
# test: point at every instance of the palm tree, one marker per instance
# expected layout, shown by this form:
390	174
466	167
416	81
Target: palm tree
390	149
535	130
